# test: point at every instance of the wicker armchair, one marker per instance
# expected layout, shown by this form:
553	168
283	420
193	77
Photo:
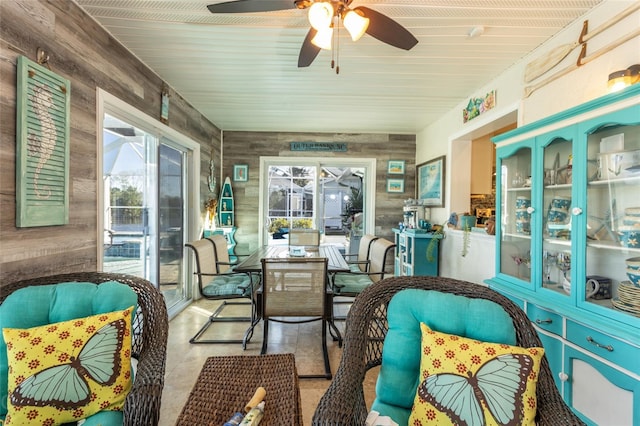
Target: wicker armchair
150	329
366	328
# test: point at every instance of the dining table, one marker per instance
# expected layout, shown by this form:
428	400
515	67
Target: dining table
335	263
253	262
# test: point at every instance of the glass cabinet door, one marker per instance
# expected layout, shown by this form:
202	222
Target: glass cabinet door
612	254
556	208
515	212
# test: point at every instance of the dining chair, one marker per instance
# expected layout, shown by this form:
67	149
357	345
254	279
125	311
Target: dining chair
294	291
218	281
309	238
350	284
361	261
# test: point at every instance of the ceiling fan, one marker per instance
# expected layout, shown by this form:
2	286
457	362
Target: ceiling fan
324	15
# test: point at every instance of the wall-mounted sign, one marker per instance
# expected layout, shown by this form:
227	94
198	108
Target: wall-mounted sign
42	155
319	146
477	106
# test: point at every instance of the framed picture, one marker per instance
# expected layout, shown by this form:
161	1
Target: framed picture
430	177
164	107
241	172
395	185
395	167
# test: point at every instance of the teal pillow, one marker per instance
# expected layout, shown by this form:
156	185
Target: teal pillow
104	418
39	305
399	374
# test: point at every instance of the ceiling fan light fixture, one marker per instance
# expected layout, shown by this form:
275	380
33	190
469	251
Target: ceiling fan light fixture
356	24
323	38
320	15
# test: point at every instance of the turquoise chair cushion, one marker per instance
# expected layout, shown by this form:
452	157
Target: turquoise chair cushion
399	375
351	283
228	285
46	304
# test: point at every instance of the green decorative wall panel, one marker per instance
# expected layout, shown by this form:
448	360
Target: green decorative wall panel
42	151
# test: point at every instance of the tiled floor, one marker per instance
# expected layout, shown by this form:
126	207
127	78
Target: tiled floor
184	360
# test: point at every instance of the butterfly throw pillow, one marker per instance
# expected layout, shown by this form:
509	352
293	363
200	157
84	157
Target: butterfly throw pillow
473	383
67	371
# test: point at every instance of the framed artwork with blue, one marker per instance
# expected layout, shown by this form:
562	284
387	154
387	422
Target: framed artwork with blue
430	178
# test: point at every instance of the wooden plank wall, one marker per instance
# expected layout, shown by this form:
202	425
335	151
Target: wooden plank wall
247	147
83	52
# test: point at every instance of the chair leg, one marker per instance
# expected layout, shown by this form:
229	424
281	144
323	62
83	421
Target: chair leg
215	318
325	353
265	333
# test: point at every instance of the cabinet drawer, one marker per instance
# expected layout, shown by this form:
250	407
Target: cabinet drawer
625	355
544	319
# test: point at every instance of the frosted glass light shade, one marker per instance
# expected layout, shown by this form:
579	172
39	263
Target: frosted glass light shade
356	24
320	15
323	38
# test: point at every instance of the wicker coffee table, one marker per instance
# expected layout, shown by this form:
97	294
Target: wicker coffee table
227	383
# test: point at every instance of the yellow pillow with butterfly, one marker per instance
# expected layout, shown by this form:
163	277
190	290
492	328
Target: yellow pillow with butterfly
67	371
468	382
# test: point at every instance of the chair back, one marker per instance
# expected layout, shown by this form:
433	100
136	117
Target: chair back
149	334
221	250
205	257
379	253
364	250
304	237
294	287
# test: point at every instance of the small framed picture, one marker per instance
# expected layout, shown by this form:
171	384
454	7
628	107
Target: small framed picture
395	167
164	110
395	185
241	172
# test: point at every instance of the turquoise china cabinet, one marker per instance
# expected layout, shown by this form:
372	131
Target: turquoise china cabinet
566	239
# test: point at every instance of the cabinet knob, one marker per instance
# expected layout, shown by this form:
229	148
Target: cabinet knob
563	376
530	210
576	211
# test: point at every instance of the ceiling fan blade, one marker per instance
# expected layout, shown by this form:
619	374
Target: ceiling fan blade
308	51
248	6
387	30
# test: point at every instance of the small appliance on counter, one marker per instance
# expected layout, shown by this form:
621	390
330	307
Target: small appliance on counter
414	213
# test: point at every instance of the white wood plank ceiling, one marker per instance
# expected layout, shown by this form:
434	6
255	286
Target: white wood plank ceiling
240	70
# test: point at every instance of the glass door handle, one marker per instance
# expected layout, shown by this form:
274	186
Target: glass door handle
530	210
576	211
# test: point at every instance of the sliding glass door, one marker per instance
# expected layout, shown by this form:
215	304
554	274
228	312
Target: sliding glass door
146	176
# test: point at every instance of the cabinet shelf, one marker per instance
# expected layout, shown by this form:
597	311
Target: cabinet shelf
560	186
606	182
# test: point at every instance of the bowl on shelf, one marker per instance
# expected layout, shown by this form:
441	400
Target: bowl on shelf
633	263
631	221
632	211
559	230
557	216
629	236
634	276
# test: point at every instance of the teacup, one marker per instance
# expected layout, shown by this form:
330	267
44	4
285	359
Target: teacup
591	287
